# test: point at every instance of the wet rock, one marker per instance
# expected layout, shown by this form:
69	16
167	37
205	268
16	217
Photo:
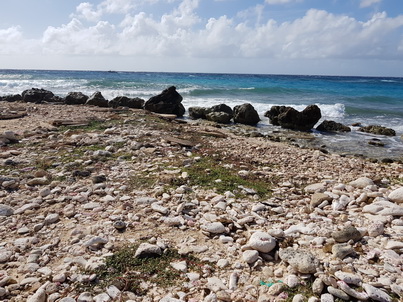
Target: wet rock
123	101
36	95
379	130
97	99
75	98
246	114
168	101
199	112
219	117
332	126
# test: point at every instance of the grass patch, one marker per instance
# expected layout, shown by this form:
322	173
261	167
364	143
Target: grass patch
207	171
94	125
128	273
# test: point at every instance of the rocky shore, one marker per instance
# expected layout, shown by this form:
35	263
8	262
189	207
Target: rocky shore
104	204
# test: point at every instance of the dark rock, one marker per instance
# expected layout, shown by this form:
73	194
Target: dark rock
219	117
222	108
75	98
96	179
11	98
56	99
379	130
288	117
346	234
168	101
199	112
387	160
376	142
331	126
246	114
36	95
123	101
97	99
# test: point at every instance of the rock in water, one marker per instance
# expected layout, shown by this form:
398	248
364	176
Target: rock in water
246	114
36	95
379	130
290	118
168	102
332	126
124	101
301	260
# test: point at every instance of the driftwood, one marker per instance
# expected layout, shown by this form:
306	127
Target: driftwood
81	122
8	114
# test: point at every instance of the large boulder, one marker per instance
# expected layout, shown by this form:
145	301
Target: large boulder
290	118
168	101
75	98
222	108
332	126
11	98
97	99
199	112
36	95
219	117
379	130
246	114
123	101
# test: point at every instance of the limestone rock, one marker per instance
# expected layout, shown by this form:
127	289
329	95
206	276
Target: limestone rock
147	250
6	210
396	195
346	234
362	182
261	242
301	260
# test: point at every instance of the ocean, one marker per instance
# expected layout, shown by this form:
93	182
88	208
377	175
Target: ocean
348	100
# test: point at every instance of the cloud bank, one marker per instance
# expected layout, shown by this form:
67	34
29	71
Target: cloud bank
182	32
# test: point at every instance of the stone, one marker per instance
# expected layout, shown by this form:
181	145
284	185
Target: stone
96	242
246	114
376	229
396	195
342	250
169	101
123	101
317	198
75	98
113	292
314	188
52	218
219	117
148	250
36	95
199	112
362	182
250	256
97	99
6	210
5	256
376	293
104	297
214	227
349	278
262	242
298	298
301	260
292	281
317	286
326	298
159	208
180	266
290	118
332	126
346	234
379	130
215	284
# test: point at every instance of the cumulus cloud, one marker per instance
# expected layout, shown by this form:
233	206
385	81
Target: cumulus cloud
181	32
367	3
281	1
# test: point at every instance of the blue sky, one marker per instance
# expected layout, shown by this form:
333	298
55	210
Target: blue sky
333	37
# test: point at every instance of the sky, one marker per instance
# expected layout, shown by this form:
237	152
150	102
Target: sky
317	37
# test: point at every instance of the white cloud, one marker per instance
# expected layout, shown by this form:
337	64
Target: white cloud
183	33
281	1
367	3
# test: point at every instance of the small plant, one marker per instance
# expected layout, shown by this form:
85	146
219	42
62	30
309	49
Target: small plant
211	173
127	272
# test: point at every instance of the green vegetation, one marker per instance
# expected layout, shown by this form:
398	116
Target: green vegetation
127	272
206	171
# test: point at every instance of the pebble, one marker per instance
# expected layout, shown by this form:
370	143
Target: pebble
342	250
214	227
250	256
338	293
146	249
376	294
326	298
362	182
6	210
349	278
396	195
346	234
51	218
262	242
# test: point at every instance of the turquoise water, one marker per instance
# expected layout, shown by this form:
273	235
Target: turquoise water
365	100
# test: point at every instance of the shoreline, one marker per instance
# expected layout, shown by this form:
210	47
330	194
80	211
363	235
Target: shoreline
197	188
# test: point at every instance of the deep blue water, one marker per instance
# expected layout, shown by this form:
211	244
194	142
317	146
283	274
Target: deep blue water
368	100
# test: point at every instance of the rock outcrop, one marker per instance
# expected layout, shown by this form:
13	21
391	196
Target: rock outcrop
168	101
290	118
379	130
246	114
332	126
75	98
